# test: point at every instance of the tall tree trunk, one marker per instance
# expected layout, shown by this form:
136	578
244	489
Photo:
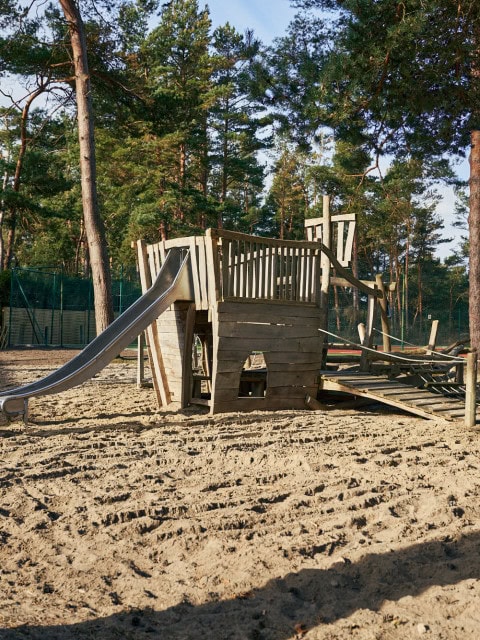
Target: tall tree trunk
474	235
94	228
2	216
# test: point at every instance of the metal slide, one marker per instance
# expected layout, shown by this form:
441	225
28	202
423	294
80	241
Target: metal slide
174	282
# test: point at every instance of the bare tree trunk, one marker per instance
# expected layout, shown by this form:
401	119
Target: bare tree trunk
12	217
474	235
94	228
2	216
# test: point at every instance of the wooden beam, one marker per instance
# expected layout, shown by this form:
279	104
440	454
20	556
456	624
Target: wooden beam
471	390
160	381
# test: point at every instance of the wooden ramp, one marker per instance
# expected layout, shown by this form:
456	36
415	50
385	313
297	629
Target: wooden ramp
395	393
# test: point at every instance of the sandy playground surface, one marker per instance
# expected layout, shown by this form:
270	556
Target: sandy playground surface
120	520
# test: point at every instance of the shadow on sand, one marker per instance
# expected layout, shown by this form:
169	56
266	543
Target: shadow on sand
311	597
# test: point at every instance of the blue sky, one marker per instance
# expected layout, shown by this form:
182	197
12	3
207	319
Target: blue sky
268	18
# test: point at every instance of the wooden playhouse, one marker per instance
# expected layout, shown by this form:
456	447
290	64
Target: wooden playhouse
254	299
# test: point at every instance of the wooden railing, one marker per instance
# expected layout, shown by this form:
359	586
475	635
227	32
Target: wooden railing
341	235
227	265
251	267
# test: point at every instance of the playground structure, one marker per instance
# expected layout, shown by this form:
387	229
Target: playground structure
214	305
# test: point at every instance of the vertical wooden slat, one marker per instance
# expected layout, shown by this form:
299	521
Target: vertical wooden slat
213	268
231	269
152	267
249	269
162	250
225	270
300	274
368	331
295	256
187	357
347	253
280	272
202	272
243	253
261	269
340	241
274	273
289	292
266	271
383	302
160	381
195	272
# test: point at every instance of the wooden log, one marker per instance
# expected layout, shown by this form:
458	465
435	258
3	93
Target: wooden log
471	390
387	345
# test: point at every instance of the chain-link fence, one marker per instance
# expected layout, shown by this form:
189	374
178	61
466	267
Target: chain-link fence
407	326
51	309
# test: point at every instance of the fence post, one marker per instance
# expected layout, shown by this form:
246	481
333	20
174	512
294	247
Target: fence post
471	390
61	308
10	310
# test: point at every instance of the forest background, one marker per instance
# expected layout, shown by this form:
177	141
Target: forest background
198	126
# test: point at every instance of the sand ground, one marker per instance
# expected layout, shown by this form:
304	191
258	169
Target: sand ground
121	520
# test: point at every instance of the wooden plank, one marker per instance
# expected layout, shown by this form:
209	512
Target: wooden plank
195	272
343	282
248	330
338	217
160	381
202	272
471	389
231	268
271	242
244	272
348	247
186	242
340	234
262	319
299	345
266	309
187	356
257	269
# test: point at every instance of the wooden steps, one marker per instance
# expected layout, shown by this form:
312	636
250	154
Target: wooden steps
391	391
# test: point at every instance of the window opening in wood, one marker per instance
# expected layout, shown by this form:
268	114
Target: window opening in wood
254	376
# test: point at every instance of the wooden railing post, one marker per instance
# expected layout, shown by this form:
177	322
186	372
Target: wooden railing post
387	345
471	390
325	277
432	341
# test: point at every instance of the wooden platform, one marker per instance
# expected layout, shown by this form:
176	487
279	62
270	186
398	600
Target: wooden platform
393	392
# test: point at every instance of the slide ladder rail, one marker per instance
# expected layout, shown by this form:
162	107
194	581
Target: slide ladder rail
174	282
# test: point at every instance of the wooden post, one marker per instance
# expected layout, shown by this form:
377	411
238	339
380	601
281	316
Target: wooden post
361	332
140	360
387	345
471	390
368	341
325	278
432	341
160	381
187	356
